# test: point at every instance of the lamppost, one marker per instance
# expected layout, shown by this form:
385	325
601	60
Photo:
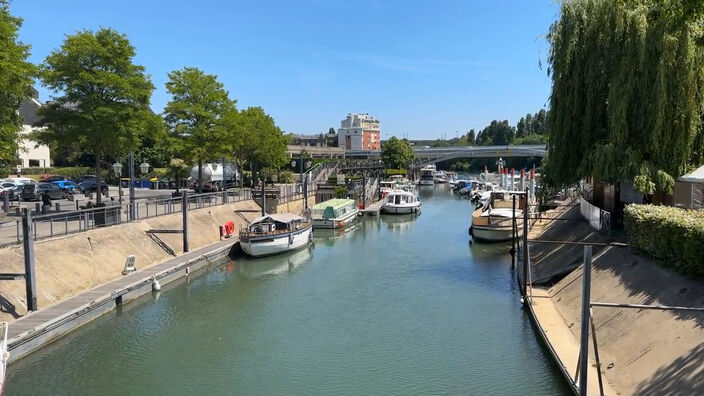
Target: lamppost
130	166
304	178
117	168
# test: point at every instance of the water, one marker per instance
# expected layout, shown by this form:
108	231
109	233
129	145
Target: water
399	305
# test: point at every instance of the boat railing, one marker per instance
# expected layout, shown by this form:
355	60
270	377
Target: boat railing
248	233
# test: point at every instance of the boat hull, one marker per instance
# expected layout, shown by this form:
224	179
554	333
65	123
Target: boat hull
494	234
393	209
337	222
269	245
426	182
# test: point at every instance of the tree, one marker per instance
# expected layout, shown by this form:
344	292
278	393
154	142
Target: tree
196	116
616	110
471	136
16	75
178	169
497	133
397	153
102	106
331	131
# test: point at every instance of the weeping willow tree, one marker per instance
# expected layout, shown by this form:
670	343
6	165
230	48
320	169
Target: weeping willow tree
626	101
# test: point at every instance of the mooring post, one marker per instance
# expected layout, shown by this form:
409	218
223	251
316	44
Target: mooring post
6	202
184	212
584	331
224	184
513	232
305	191
263	197
525	247
28	242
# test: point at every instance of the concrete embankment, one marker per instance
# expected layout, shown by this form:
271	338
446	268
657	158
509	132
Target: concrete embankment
644	352
67	266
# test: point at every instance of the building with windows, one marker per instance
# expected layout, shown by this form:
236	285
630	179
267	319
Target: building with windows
31	153
359	132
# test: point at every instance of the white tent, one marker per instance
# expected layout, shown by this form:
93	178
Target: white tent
689	190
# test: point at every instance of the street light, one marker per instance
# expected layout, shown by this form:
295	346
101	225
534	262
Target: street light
117	168
144	167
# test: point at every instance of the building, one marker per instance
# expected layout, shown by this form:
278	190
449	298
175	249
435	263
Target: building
30	153
320	140
359	132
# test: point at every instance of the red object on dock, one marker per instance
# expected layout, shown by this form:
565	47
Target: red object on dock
229	229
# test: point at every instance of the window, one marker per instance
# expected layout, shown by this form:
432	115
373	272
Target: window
33	162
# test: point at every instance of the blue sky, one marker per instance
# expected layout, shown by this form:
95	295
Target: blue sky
423	68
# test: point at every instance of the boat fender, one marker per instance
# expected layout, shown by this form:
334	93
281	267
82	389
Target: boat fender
155	284
471	233
340	223
290	239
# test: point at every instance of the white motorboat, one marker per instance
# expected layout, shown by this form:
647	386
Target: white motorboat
386	186
427	177
334	213
275	234
494	218
440	177
399	201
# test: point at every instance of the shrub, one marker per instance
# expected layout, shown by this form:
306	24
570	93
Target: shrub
392	172
674	236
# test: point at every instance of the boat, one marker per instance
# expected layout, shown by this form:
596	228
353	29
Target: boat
494	217
439	177
386	186
400	201
427	176
275	233
334	213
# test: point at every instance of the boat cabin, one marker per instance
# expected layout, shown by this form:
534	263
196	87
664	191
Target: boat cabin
333	209
275	223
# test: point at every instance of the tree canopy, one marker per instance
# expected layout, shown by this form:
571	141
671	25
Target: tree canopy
102	101
496	133
626	98
397	153
196	116
16	75
259	140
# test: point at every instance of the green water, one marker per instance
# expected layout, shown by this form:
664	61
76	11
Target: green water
398	305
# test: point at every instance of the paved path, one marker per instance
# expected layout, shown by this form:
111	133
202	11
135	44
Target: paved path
564	343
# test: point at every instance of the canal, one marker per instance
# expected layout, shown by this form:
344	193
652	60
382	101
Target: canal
397	305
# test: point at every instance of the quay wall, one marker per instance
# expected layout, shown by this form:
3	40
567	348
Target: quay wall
295	206
67	266
641	351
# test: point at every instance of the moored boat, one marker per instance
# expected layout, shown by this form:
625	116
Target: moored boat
274	234
427	176
334	213
493	220
399	201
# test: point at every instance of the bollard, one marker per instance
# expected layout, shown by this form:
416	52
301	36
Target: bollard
184	212
58	206
6	202
28	244
37	208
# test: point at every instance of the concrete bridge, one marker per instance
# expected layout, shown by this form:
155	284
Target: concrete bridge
429	155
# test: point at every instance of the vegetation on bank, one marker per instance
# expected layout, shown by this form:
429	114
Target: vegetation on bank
626	99
673	236
397	153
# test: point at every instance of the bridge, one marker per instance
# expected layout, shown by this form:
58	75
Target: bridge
428	155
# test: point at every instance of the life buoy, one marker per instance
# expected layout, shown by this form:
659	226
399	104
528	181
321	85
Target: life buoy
229	228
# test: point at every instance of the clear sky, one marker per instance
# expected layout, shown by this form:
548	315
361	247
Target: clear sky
422	67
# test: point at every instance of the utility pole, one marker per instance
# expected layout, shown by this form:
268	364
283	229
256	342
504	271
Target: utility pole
133	209
184	211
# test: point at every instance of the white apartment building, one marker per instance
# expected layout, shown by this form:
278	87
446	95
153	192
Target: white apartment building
30	153
359	132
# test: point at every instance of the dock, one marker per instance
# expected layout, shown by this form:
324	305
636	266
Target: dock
373	209
41	327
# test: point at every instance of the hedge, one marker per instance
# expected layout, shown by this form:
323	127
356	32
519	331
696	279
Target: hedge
674	236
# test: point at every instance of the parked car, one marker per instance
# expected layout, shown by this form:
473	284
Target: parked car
65	185
20	180
53	178
34	192
89	186
83	178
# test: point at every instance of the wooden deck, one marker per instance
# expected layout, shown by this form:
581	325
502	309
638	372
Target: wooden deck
30	332
373	209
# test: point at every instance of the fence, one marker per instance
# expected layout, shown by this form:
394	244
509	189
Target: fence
599	219
75	221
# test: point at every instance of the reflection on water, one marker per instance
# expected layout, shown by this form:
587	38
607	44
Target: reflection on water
253	268
397	304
